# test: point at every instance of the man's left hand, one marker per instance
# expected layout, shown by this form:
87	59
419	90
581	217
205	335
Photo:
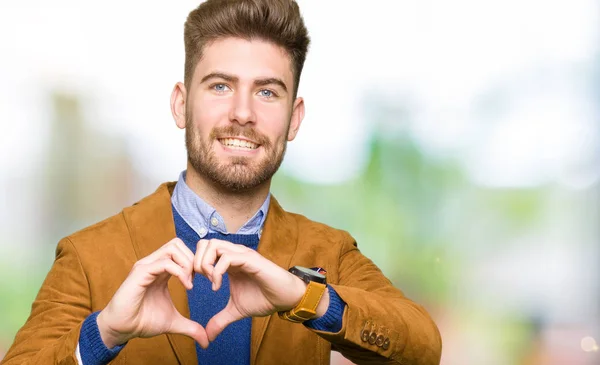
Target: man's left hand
258	287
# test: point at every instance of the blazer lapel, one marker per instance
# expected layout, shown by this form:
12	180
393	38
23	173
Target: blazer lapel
278	244
151	225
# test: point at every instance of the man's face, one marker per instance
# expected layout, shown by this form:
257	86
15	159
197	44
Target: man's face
240	112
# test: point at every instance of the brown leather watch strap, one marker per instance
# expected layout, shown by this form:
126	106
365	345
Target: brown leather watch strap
307	307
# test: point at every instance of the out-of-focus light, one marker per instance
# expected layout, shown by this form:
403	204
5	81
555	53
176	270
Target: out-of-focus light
543	139
588	344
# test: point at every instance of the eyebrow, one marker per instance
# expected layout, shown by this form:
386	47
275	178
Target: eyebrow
219	75
234	79
271	81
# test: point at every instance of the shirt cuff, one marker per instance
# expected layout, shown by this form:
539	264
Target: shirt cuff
78	355
332	320
92	349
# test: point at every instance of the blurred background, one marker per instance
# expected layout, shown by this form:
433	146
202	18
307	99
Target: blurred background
458	141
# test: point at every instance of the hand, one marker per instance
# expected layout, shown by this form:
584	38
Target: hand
142	306
258	287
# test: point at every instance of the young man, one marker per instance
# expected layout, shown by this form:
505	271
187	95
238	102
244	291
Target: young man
210	269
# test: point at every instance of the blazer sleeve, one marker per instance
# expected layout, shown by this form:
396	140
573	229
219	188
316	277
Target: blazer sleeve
51	333
380	325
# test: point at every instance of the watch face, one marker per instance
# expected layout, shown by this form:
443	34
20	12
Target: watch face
308	274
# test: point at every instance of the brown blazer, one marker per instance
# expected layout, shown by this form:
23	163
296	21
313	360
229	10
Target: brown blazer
91	264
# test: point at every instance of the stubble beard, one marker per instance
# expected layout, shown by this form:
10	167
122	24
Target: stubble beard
237	174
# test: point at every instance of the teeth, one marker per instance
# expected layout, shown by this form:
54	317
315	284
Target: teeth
238	143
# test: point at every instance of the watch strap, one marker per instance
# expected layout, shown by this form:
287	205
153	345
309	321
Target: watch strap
307	307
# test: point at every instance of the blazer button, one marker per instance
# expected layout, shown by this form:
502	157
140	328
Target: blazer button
386	344
364	335
379	341
372	338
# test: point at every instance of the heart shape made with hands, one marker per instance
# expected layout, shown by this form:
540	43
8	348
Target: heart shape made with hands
143	307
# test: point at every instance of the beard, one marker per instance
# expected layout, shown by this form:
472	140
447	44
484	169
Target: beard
235	174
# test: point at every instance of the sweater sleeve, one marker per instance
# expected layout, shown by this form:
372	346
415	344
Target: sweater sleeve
91	348
331	321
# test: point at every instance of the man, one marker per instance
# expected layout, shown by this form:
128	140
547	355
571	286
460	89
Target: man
211	270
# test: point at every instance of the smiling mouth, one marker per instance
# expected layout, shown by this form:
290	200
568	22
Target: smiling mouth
238	144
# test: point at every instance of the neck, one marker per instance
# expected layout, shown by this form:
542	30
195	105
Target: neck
236	208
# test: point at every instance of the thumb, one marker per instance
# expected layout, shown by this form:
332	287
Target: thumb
187	327
219	321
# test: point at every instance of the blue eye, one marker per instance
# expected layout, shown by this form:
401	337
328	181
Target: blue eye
220	87
266	93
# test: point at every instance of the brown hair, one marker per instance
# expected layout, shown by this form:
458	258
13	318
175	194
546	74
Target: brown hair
275	21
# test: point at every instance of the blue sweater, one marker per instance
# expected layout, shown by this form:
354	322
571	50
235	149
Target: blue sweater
232	346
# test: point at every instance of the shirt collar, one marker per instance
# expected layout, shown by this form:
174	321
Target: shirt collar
203	218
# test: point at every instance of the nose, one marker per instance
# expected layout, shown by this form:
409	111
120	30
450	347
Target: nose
242	110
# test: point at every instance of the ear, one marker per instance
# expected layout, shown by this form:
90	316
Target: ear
296	120
178	98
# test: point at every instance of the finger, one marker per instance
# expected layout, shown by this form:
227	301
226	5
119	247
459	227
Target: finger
153	271
231	247
184	257
210	256
193	329
175	254
186	250
227	260
200	249
174	250
221	320
207	253
214	249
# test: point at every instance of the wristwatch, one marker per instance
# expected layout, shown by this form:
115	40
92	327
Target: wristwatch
307	308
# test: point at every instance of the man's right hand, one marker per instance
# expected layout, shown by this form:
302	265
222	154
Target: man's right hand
142	306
